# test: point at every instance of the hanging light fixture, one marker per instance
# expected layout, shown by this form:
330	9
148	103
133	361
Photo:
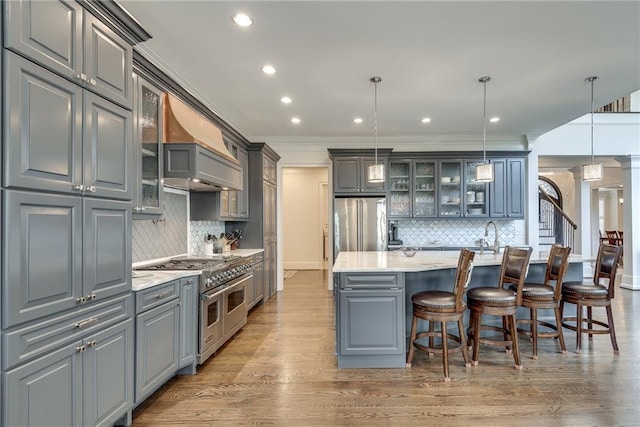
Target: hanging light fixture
484	171
375	172
592	171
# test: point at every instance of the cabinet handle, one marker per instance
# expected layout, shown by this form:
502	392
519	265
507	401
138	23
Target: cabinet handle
90	297
347	289
395	289
190	281
91	189
91	343
81	76
80	300
84	323
92	81
81	349
79	187
162	295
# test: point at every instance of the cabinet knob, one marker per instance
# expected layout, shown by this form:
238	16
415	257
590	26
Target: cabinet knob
80	300
90	297
92	82
79	187
81	76
81	349
91	189
91	343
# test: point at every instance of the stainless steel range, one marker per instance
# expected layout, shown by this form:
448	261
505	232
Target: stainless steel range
223	303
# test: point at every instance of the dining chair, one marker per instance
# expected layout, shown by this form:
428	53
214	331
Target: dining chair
500	301
612	237
546	295
599	293
442	307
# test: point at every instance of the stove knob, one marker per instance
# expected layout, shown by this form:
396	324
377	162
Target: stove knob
208	281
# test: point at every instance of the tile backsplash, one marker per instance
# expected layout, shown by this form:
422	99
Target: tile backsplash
464	232
198	230
165	237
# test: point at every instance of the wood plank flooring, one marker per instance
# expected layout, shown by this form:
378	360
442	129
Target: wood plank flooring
281	370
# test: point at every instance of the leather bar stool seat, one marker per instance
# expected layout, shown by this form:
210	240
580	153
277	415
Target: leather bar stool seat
584	290
496	297
442	307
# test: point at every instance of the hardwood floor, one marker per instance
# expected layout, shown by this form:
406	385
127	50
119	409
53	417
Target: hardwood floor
281	370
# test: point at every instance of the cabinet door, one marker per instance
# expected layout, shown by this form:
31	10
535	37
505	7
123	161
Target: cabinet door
46	391
371	322
498	189
156	347
346	175
424	189
365	185
243	196
108	375
41	255
400	185
474	193
43	145
49	32
258	278
450	191
148	148
108	62
108	149
188	317
107	248
515	188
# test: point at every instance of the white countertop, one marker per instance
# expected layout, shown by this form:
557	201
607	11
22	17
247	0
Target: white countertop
143	279
396	261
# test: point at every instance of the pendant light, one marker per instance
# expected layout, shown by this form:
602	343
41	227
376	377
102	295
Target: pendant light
592	171
484	171
375	172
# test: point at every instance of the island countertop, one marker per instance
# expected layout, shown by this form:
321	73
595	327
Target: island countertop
396	261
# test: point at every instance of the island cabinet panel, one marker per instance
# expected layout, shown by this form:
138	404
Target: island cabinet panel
370	320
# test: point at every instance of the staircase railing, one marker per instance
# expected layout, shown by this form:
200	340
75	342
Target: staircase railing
556	220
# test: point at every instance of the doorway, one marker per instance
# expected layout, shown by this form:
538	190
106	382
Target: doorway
304	219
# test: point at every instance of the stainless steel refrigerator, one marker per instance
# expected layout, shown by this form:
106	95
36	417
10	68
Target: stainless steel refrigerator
360	224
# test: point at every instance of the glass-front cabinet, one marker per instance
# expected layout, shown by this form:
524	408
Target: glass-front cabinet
450	191
424	198
400	183
475	193
148	131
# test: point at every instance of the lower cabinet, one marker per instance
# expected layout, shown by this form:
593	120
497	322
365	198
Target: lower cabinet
188	320
371	321
88	382
258	282
157	347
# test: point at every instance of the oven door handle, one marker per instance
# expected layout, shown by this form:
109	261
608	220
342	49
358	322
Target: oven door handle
212	295
240	280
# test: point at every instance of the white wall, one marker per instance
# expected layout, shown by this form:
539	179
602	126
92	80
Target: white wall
302	217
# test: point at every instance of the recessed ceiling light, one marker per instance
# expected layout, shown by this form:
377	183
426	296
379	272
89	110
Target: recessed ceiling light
285	100
268	69
357	120
295	120
243	20
494	119
425	120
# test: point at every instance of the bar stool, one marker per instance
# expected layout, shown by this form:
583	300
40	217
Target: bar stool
500	301
596	294
545	295
443	307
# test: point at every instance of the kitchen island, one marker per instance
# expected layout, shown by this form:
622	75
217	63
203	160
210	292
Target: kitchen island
373	297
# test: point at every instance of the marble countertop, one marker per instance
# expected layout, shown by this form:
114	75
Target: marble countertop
143	279
396	261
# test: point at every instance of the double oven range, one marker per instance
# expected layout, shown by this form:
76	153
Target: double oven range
222	297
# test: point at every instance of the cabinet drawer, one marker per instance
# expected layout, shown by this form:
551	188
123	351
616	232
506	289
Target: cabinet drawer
43	337
157	295
370	281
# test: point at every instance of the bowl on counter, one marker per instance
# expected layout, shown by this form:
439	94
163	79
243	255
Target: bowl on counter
409	251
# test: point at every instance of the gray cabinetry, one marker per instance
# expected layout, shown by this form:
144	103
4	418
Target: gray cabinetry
507	191
350	175
47	147
85	382
68	40
188	319
234	204
148	152
370	319
412	188
255	291
157	341
260	230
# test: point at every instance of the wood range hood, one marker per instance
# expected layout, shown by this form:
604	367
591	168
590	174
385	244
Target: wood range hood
195	157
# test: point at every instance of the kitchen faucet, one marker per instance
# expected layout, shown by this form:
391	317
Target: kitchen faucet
496	242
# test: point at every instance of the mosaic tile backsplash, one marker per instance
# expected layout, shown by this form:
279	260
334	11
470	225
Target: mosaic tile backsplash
458	233
198	230
163	238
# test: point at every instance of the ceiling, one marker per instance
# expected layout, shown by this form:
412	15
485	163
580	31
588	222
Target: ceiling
429	54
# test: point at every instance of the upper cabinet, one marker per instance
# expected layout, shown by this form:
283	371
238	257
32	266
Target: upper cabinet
474	194
62	138
450	188
65	38
148	194
507	190
350	173
412	188
234	204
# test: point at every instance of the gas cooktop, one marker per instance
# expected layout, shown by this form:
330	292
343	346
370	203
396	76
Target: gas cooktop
194	263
